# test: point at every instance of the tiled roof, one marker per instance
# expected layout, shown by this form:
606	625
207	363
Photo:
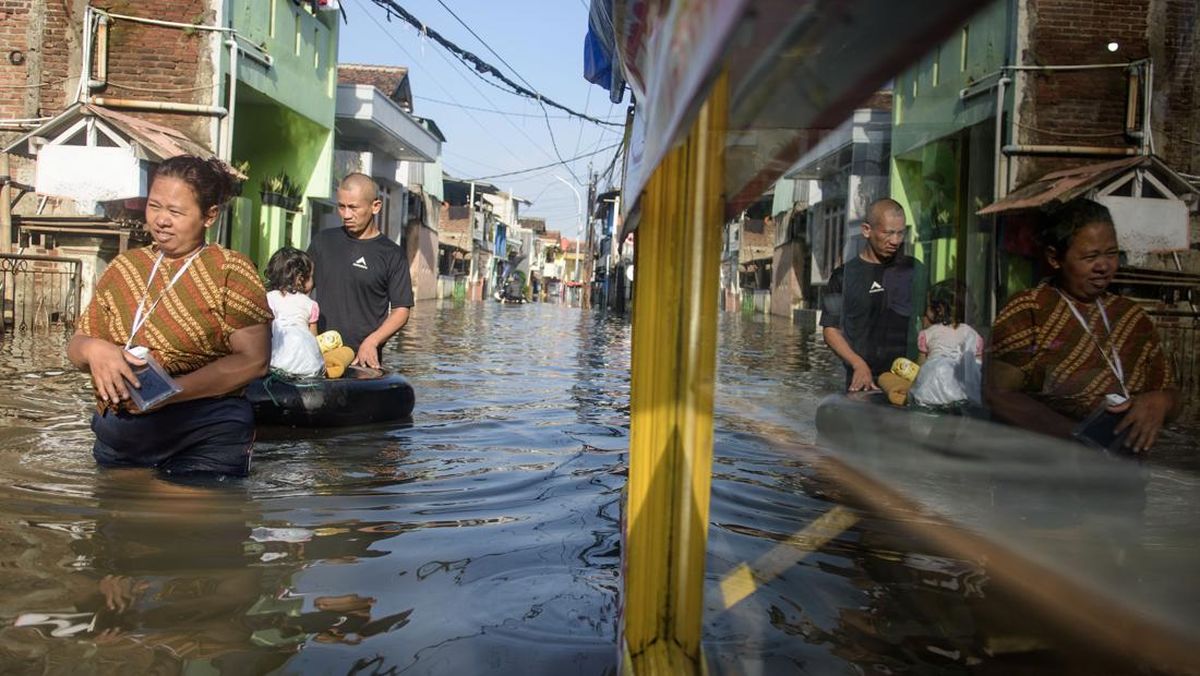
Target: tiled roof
391	80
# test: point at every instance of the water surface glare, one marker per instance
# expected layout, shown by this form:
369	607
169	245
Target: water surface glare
482	539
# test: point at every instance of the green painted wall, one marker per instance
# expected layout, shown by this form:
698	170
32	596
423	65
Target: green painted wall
273	138
283	118
303	76
943	153
927	104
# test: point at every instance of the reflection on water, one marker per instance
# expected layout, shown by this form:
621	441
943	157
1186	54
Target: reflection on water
484	538
481	539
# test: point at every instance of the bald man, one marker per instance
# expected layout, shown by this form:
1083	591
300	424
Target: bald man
360	280
868	306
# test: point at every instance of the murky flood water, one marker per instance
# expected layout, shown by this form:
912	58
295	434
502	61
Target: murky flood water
484	538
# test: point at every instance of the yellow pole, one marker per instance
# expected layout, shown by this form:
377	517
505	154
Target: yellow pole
678	255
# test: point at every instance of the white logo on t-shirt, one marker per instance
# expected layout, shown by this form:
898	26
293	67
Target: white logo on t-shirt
875	287
361	263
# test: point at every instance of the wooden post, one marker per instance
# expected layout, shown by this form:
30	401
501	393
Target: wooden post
5	205
673	372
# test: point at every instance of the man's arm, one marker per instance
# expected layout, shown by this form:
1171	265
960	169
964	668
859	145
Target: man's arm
400	298
368	351
862	378
832	310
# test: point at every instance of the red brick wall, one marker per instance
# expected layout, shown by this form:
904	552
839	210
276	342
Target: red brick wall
1176	118
12	79
1087	108
164	63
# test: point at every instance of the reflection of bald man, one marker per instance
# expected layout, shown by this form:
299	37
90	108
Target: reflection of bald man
361	279
868	305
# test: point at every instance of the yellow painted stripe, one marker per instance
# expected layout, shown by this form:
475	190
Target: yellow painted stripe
744	579
737	585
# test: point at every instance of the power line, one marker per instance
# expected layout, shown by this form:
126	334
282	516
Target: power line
478	64
486	45
586	102
545	113
470	83
499	112
436	82
544	166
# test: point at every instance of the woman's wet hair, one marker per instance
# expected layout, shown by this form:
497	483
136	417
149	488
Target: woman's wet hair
211	180
288	269
1061	224
947	302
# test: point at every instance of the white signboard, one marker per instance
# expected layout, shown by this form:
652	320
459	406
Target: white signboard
89	174
1146	225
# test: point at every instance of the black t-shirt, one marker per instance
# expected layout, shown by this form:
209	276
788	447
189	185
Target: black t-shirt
873	304
357	282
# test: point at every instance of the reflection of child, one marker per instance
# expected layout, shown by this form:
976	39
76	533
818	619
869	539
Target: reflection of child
950	351
294	348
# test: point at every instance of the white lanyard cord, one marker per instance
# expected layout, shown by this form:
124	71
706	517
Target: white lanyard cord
143	313
1114	363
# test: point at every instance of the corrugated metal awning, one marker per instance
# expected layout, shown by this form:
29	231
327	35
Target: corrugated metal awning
1060	187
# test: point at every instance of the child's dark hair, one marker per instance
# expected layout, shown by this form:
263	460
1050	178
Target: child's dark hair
288	269
211	179
947	302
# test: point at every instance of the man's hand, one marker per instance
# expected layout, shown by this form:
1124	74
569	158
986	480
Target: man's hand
368	355
1147	413
862	380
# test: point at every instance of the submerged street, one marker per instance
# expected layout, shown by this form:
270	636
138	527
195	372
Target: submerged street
484	536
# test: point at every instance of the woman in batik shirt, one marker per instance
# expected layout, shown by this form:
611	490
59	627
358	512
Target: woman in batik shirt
1059	350
197	309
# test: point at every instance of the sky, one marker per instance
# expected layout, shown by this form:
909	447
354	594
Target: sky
542	40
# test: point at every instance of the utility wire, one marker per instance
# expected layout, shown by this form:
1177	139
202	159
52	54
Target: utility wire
544	166
487	46
436	82
579	137
545	113
498	111
479	64
471	83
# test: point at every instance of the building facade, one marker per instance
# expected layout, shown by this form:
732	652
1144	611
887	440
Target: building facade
1029	88
820	204
247	81
377	135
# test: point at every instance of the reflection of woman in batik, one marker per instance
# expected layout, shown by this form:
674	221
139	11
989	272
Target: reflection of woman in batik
1059	350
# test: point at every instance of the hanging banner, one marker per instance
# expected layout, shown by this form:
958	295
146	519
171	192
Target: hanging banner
668	51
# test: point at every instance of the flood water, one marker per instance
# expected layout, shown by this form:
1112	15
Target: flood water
482	539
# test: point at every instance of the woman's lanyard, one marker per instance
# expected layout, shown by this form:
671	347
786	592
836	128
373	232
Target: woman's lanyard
1114	363
143	313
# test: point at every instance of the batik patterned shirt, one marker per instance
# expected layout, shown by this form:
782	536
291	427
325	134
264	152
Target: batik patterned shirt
220	293
1063	366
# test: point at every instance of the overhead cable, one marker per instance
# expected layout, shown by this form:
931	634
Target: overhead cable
494	110
544	166
479	64
545	113
412	59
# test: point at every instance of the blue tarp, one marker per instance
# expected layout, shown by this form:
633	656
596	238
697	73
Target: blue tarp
501	247
599	52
